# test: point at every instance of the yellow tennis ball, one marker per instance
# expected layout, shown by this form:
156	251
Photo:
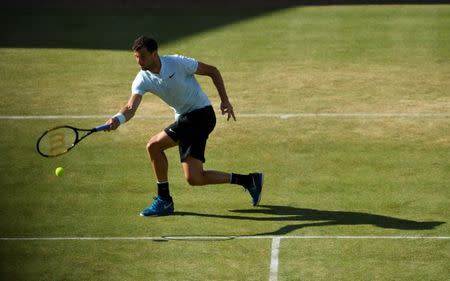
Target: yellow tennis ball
59	171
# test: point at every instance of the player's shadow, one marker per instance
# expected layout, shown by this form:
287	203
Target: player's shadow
299	218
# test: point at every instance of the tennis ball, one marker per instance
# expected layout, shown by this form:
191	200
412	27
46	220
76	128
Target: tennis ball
59	171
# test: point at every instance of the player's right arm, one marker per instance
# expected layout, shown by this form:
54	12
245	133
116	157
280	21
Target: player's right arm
127	111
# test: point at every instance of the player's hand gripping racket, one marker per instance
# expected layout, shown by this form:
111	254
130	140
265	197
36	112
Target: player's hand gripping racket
60	140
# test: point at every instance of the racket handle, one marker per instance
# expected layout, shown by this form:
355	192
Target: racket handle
102	127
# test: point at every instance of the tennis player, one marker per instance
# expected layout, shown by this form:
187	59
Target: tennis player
172	78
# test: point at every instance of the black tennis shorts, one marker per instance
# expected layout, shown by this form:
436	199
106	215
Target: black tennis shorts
191	132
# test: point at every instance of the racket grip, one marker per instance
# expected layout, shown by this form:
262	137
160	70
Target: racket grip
102	127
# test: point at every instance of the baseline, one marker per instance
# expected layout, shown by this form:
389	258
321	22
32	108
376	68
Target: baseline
224	237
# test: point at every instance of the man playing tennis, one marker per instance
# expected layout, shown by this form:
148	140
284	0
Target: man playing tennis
172	78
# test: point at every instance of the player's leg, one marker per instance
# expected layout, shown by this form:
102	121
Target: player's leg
196	175
163	203
155	149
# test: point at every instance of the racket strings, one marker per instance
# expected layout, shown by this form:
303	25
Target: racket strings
57	141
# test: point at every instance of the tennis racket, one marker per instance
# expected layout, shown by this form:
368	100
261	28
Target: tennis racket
60	140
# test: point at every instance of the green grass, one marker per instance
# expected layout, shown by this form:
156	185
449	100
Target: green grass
107	260
324	175
360	260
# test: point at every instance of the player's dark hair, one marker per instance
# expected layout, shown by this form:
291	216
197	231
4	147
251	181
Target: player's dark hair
143	41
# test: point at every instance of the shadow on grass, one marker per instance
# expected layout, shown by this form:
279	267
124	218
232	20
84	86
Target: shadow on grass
110	28
299	218
113	25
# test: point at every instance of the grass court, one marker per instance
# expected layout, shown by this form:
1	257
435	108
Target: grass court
346	109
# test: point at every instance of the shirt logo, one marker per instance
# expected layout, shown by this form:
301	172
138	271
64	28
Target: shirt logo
170	76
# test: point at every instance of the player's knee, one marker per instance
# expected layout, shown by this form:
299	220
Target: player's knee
153	145
194	180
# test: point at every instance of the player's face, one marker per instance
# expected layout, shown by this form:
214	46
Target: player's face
145	59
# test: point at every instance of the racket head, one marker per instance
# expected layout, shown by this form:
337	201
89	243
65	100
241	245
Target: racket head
57	141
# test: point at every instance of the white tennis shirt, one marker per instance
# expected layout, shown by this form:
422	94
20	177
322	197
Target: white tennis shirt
175	84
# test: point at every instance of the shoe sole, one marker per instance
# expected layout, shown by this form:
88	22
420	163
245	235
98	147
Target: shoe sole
162	215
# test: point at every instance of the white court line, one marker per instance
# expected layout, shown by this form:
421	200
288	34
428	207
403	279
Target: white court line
275	250
273	275
347	114
224	237
250	115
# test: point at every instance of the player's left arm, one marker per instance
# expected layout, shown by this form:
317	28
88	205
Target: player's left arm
214	73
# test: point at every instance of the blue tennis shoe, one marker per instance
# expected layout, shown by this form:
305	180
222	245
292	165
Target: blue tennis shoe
255	187
159	207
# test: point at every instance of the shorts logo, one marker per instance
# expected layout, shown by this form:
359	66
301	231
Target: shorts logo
170	76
